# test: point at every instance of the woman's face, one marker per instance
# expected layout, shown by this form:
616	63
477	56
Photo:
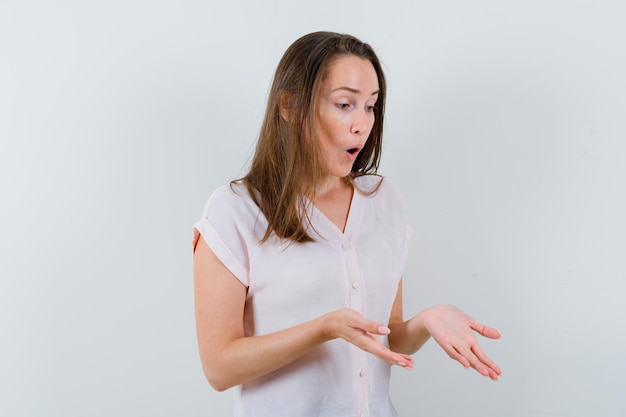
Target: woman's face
344	114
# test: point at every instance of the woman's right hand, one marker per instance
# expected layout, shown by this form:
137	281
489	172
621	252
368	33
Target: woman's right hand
351	326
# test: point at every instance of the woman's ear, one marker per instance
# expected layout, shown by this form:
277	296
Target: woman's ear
284	98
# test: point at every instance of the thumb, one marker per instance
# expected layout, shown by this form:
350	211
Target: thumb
369	326
486	331
377	328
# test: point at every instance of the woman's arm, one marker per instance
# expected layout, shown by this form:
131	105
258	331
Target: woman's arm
451	328
229	358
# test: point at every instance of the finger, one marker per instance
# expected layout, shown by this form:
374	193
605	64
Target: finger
399	359
382	330
457	356
371	326
393	358
480	354
376	328
407	363
473	360
372	345
485	330
494	376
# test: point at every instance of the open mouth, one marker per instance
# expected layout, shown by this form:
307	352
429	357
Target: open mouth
353	151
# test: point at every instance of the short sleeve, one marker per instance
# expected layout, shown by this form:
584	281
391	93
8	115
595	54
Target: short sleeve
225	229
405	249
396	210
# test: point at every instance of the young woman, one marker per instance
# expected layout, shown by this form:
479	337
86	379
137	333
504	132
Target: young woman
297	266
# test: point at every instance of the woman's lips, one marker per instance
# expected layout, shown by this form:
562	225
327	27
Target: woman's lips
353	153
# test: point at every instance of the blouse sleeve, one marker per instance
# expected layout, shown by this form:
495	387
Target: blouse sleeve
405	250
397	210
224	231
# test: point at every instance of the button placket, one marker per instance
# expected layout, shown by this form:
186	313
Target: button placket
353	276
356	302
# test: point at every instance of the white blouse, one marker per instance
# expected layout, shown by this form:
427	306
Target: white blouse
292	283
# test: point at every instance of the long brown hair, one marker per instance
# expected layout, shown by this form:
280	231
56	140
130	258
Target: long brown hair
286	165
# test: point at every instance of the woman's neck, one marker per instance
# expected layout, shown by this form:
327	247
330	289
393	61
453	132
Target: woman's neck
332	186
334	200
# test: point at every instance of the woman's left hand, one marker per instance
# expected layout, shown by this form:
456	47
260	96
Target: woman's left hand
454	331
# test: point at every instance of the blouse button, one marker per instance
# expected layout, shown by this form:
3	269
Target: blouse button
361	373
355	285
345	246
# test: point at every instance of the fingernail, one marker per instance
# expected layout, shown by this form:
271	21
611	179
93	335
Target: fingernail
383	330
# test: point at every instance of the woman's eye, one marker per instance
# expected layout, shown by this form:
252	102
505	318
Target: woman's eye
370	108
343	106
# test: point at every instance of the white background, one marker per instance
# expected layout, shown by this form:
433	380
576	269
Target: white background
505	132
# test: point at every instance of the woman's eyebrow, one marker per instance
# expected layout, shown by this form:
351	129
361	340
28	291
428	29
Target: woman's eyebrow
353	90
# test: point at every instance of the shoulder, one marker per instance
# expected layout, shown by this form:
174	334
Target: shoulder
382	196
376	186
232	214
230	200
235	192
227	225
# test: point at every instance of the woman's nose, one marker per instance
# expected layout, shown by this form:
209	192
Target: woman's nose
362	122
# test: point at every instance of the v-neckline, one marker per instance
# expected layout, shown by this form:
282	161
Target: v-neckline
329	230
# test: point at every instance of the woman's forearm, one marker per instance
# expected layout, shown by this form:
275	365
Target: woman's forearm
246	358
241	359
